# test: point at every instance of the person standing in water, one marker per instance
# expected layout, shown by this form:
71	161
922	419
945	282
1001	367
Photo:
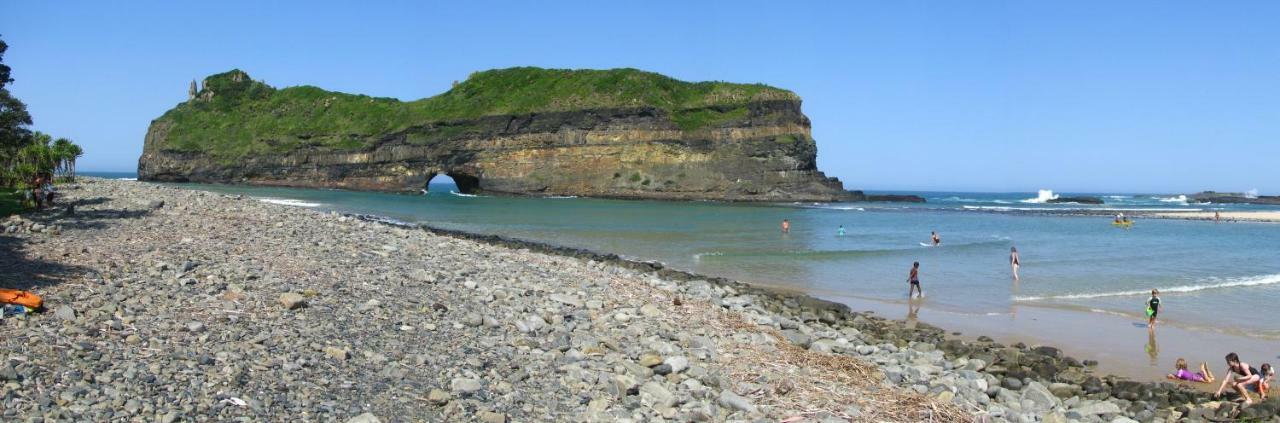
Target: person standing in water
786	226
1013	261
1217	216
914	280
840	231
936	239
1153	308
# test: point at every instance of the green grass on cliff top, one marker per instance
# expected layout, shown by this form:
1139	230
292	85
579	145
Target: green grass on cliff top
239	116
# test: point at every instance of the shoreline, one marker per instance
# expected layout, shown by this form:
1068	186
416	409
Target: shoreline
1106	368
1072	339
990	381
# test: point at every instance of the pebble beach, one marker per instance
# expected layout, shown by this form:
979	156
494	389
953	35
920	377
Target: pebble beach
168	304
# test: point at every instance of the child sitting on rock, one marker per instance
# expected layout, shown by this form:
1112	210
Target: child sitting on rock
1266	373
1181	372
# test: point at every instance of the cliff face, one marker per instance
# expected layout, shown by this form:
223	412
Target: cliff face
741	144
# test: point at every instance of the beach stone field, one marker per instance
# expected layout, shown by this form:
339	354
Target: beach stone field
165	304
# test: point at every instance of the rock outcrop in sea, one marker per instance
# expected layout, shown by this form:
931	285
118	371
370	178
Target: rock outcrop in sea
620	133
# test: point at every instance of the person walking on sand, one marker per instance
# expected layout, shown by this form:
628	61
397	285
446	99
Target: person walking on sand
936	239
1240	377
1153	308
914	280
1014	262
786	226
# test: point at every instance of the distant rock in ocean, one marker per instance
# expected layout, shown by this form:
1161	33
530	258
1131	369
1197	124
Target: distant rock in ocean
1232	198
620	133
1075	200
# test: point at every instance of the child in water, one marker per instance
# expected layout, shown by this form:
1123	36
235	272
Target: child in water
840	231
914	280
1014	262
1153	308
1181	373
786	226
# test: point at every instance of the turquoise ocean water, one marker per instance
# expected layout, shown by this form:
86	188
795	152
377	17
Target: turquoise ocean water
1216	277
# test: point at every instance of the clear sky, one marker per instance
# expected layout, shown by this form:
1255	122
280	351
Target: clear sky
1131	96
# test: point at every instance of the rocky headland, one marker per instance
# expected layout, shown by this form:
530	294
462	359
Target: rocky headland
172	305
620	133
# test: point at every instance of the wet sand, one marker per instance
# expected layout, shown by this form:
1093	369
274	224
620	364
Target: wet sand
1239	216
1122	345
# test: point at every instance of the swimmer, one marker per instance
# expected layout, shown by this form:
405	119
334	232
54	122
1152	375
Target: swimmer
840	231
786	226
1181	373
936	239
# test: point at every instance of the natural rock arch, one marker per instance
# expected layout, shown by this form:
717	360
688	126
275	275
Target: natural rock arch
465	182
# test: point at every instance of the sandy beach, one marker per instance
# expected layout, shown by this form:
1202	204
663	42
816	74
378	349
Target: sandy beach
1229	216
170	304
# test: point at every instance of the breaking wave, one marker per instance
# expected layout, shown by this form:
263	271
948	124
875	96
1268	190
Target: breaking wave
288	202
1042	197
1213	283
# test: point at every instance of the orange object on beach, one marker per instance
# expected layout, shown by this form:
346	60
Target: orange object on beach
23	298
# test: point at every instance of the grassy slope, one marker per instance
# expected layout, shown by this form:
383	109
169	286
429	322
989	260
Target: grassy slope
248	117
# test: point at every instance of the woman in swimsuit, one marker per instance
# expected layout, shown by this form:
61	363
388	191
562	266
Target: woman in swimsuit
1202	376
1013	261
914	280
1240	377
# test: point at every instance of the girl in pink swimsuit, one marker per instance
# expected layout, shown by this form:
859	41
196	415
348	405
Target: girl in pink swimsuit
1202	376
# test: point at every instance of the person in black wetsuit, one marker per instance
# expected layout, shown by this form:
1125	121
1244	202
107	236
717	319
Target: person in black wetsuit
1154	305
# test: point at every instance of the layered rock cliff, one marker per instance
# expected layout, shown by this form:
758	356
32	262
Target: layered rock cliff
617	133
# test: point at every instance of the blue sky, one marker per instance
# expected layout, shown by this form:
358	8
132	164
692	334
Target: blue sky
1145	96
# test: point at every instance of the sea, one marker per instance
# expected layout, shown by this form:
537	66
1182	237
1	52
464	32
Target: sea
1220	278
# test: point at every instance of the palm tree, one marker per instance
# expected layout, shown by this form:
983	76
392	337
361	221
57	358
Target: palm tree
61	150
75	152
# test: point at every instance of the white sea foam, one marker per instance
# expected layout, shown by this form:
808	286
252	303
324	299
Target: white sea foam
1042	197
1118	197
561	197
1181	199
126	179
463	195
1208	284
699	256
1253	193
829	207
288	202
1068	209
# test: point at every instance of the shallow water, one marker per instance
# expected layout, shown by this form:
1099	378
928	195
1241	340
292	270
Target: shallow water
1213	277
